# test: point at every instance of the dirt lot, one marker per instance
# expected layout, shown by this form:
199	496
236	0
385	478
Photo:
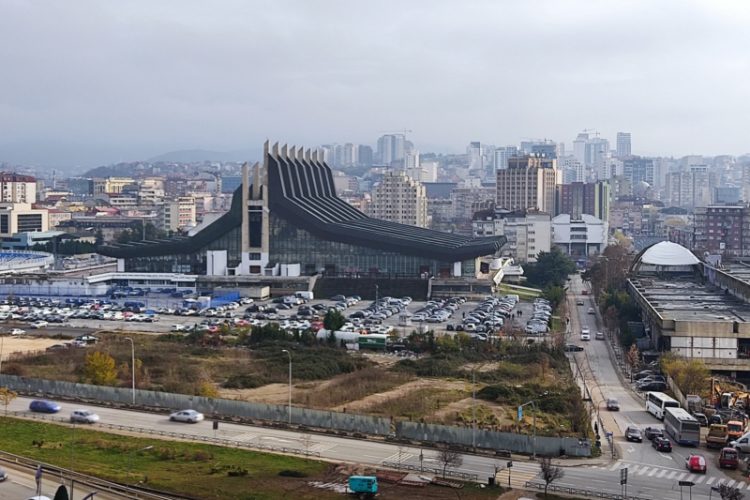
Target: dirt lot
19	345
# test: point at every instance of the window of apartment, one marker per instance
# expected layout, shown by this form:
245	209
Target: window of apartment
4	223
29	222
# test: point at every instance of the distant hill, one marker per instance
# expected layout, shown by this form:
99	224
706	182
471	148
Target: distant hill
198	155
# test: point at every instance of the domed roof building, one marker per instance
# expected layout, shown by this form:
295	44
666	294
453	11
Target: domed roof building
662	257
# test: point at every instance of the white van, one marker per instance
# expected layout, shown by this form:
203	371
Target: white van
742	444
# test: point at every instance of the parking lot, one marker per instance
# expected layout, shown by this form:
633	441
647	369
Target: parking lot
54	316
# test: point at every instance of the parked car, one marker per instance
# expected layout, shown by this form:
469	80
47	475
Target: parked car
39	324
696	463
633	434
84	417
579	302
651	386
661	444
17	331
44	406
573	348
613	404
653	432
729	458
189	416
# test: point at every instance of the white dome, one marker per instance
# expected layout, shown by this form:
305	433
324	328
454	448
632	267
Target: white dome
670	254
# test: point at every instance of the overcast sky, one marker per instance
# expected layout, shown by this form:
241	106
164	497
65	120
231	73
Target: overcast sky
92	82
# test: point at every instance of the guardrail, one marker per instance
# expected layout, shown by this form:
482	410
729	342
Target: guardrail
89	481
466	476
581	491
178	435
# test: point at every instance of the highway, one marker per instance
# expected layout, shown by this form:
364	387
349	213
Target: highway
21	484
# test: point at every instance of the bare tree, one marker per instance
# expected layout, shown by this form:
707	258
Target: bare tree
6	396
550	472
449	457
727	492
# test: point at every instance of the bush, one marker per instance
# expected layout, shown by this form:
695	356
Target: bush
292	473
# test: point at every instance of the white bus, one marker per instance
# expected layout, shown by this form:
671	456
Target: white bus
682	427
657	402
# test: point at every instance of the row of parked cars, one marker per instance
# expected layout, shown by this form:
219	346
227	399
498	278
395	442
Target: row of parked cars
379	310
488	316
438	311
649	380
538	324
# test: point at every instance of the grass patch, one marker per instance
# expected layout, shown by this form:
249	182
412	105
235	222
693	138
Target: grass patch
352	387
417	404
197	470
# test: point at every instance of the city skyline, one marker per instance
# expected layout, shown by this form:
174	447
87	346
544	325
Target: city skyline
99	82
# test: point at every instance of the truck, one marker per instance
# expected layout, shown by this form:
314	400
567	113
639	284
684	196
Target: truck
717	436
363	486
735	429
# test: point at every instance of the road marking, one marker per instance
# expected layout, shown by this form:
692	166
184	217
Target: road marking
672	474
710	480
679	478
633	468
662	473
740	485
643	471
631	449
615	466
700	480
654	471
665	456
691	478
730	483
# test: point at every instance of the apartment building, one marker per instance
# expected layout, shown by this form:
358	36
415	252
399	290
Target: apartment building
16	188
527	184
177	214
399	198
527	233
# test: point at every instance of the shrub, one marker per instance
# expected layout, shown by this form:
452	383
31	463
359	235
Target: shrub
292	473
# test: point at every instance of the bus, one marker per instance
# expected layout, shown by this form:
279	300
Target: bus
657	402
682	427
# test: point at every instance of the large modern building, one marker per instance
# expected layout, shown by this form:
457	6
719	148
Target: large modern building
527	184
580	198
286	220
399	198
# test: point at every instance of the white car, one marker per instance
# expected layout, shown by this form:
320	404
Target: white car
585	334
17	331
189	416
84	417
179	328
39	324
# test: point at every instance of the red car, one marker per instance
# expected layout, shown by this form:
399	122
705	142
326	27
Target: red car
696	463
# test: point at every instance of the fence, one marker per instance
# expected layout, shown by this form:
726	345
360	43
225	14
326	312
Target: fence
582	491
466	476
320	419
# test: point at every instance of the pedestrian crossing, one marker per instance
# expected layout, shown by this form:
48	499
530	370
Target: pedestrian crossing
669	474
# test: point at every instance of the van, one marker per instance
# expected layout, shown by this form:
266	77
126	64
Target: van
742	444
728	458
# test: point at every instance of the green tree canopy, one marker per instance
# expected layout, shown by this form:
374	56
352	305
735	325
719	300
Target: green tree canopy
333	320
551	269
100	369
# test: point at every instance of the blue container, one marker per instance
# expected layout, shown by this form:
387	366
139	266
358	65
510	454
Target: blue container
363	484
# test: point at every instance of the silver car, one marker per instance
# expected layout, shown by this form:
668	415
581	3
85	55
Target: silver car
84	417
189	416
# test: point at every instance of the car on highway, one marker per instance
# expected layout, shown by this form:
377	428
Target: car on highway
188	416
3	475
84	417
591	310
585	334
44	406
613	404
579	302
573	348
599	336
661	444
634	434
695	463
653	432
17	331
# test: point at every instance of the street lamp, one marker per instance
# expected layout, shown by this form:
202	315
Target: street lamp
290	384
130	461
132	365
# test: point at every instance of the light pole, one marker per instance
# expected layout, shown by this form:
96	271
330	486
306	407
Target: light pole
533	423
474	408
1	354
130	461
132	365
290	384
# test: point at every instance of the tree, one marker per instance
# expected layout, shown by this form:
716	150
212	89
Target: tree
100	369
550	472
554	293
449	457
333	320
550	269
633	358
6	397
727	492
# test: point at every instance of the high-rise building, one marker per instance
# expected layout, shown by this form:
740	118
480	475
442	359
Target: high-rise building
399	198
623	144
580	198
689	187
527	184
16	188
474	150
722	229
391	149
502	155
351	152
637	169
364	155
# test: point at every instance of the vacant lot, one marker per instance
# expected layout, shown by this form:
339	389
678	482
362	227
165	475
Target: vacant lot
455	381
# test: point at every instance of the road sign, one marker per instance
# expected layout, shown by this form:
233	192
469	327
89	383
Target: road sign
687	483
520	413
624	476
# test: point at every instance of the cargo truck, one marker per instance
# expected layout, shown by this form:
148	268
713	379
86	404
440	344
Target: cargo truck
717	436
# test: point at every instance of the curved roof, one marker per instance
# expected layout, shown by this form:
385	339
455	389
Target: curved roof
666	253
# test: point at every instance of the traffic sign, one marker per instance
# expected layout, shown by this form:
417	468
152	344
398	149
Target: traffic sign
624	476
687	483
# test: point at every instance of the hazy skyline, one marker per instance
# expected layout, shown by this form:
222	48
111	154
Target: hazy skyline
94	82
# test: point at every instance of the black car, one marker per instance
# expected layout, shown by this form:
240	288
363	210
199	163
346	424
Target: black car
573	348
662	444
634	434
652	386
653	433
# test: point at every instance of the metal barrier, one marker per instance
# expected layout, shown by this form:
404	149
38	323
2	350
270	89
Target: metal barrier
467	476
178	435
580	491
89	481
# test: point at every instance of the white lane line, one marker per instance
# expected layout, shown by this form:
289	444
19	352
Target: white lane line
740	485
730	483
662	473
710	480
672	474
679	478
700	479
615	466
654	471
643	471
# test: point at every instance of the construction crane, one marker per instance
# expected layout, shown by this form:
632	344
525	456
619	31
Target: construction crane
402	132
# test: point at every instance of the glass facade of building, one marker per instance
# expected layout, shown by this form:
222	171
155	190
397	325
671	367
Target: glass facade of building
291	245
